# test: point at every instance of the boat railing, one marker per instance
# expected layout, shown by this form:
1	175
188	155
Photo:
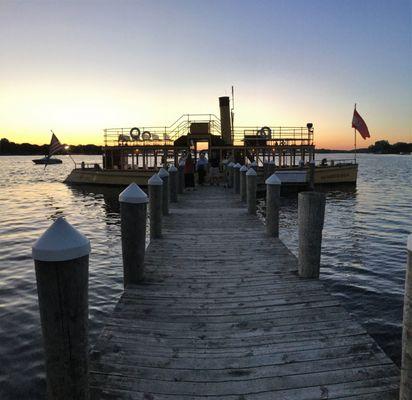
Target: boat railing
88	166
242	135
325	162
155	135
273	135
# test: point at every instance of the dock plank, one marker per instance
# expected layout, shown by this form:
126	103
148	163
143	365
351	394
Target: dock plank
222	314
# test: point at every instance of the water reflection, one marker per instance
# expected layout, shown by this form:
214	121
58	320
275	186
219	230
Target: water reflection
110	195
363	259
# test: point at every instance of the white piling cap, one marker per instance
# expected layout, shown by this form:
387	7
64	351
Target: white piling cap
243	168
182	163
231	164
133	194
172	168
163	173
253	164
251	171
155	180
60	242
409	245
273	180
237	165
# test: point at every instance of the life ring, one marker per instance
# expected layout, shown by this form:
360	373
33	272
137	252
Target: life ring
135	137
146	135
266	132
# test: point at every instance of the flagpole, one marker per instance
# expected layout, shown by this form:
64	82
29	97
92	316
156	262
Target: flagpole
74	162
355	143
355	138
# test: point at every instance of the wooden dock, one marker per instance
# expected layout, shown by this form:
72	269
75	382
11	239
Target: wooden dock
222	314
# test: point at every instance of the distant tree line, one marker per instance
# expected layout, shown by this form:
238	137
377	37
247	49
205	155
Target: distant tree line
380	147
384	147
11	148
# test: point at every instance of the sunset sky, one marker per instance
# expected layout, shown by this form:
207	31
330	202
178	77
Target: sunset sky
81	66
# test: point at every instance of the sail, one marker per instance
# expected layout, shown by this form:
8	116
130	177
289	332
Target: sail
55	145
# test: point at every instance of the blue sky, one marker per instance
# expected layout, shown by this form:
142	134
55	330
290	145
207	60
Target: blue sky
78	67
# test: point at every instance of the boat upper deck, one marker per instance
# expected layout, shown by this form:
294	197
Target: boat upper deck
201	126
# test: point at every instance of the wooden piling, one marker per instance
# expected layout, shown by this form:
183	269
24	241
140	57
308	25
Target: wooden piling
164	175
236	178
181	177
265	170
242	183
61	258
311	214
272	205
155	185
271	168
173	183
133	214
405	392
230	174
311	175
251	186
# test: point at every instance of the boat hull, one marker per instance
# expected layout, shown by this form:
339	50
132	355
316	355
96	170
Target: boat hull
328	175
336	174
109	177
50	161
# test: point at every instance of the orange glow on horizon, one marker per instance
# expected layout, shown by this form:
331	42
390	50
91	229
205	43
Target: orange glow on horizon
78	114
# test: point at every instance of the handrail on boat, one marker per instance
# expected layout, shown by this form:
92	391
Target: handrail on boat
166	135
88	166
335	162
169	133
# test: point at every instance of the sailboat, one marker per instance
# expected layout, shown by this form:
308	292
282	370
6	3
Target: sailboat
55	146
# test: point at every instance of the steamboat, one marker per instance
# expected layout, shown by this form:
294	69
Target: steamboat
133	154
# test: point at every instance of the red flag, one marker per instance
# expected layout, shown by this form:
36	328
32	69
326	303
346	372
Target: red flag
359	124
55	145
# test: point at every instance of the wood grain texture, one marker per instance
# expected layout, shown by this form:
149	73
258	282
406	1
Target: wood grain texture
222	314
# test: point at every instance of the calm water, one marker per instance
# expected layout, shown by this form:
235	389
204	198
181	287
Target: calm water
363	255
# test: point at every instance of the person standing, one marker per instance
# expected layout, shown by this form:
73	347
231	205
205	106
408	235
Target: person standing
189	172
182	158
214	171
201	168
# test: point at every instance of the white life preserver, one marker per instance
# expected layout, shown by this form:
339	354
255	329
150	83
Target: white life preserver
146	135
135	137
265	131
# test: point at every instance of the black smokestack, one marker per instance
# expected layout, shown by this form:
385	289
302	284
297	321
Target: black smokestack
224	104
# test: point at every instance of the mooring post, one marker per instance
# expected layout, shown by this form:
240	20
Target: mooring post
405	392
272	205
265	170
173	183
251	177
133	214
164	175
242	183
271	168
311	214
230	174
155	185
254	165
61	259
181	177
236	178
311	175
